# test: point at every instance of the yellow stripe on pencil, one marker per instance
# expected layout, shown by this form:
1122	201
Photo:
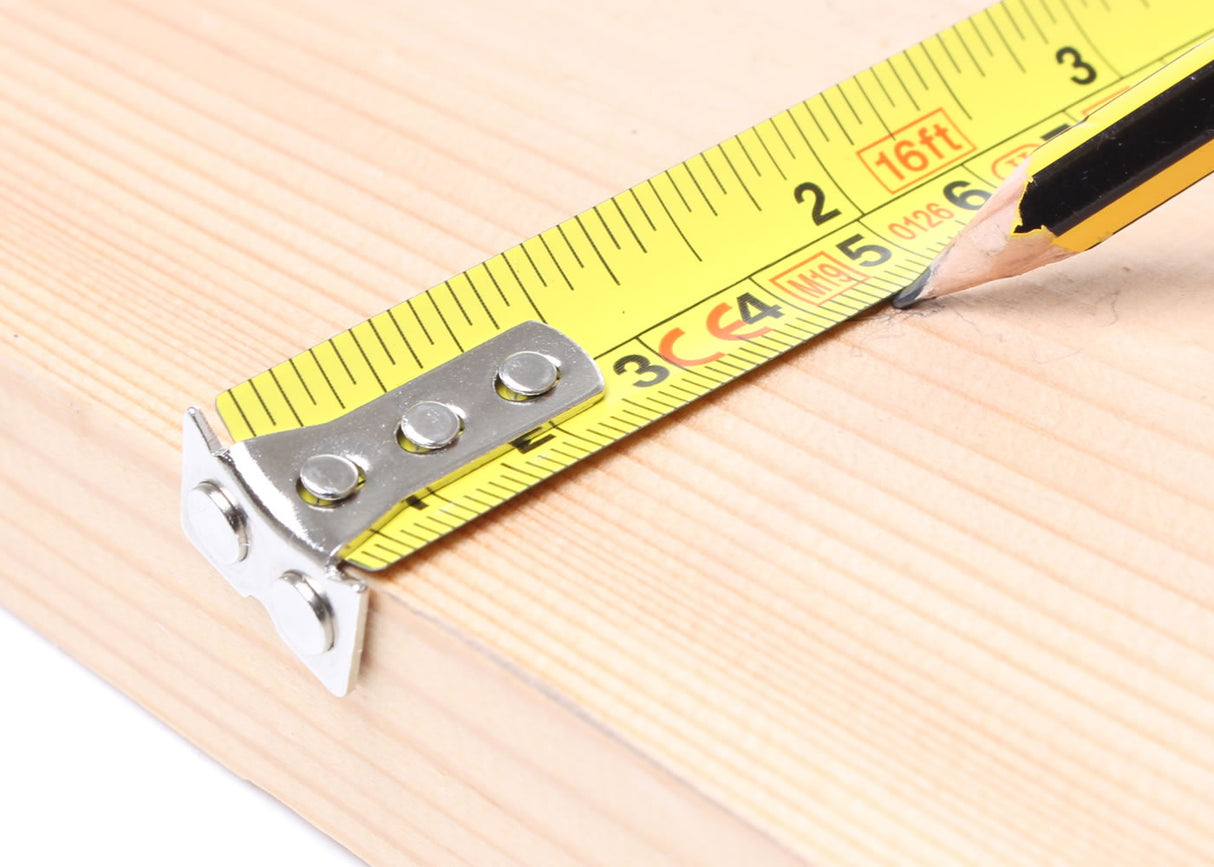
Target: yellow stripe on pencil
1128	157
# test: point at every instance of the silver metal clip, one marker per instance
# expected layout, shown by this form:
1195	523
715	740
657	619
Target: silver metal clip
273	513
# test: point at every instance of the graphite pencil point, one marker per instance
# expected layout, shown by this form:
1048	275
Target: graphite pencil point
911	293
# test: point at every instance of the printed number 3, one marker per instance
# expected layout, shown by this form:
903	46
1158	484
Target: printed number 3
643	367
1086	74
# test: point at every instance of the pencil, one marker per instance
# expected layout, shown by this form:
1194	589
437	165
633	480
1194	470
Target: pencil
1126	158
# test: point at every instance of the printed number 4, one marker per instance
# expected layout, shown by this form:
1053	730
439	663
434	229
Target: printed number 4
1086	74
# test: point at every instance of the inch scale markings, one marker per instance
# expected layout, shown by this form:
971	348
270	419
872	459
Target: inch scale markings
761	243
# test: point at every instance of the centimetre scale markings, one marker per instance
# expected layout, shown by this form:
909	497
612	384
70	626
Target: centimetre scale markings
842	202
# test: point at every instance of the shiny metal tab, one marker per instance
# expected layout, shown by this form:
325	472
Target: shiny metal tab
273	513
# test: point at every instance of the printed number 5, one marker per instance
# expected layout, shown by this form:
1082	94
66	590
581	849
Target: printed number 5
1087	73
849	249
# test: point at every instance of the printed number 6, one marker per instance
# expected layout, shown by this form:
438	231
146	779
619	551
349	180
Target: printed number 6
1077	62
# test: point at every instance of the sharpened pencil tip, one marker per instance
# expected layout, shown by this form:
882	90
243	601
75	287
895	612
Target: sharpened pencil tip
911	293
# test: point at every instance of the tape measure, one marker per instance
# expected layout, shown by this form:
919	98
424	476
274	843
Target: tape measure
740	253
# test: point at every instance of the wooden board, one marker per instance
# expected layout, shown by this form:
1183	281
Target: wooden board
969	620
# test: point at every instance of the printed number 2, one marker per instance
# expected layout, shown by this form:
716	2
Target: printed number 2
1086	73
819	202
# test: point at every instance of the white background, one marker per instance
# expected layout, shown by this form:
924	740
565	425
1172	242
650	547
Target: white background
88	777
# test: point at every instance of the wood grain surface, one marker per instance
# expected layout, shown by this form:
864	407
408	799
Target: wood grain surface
935	589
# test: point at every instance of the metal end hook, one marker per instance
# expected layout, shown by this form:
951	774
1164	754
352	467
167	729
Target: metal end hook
319	611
